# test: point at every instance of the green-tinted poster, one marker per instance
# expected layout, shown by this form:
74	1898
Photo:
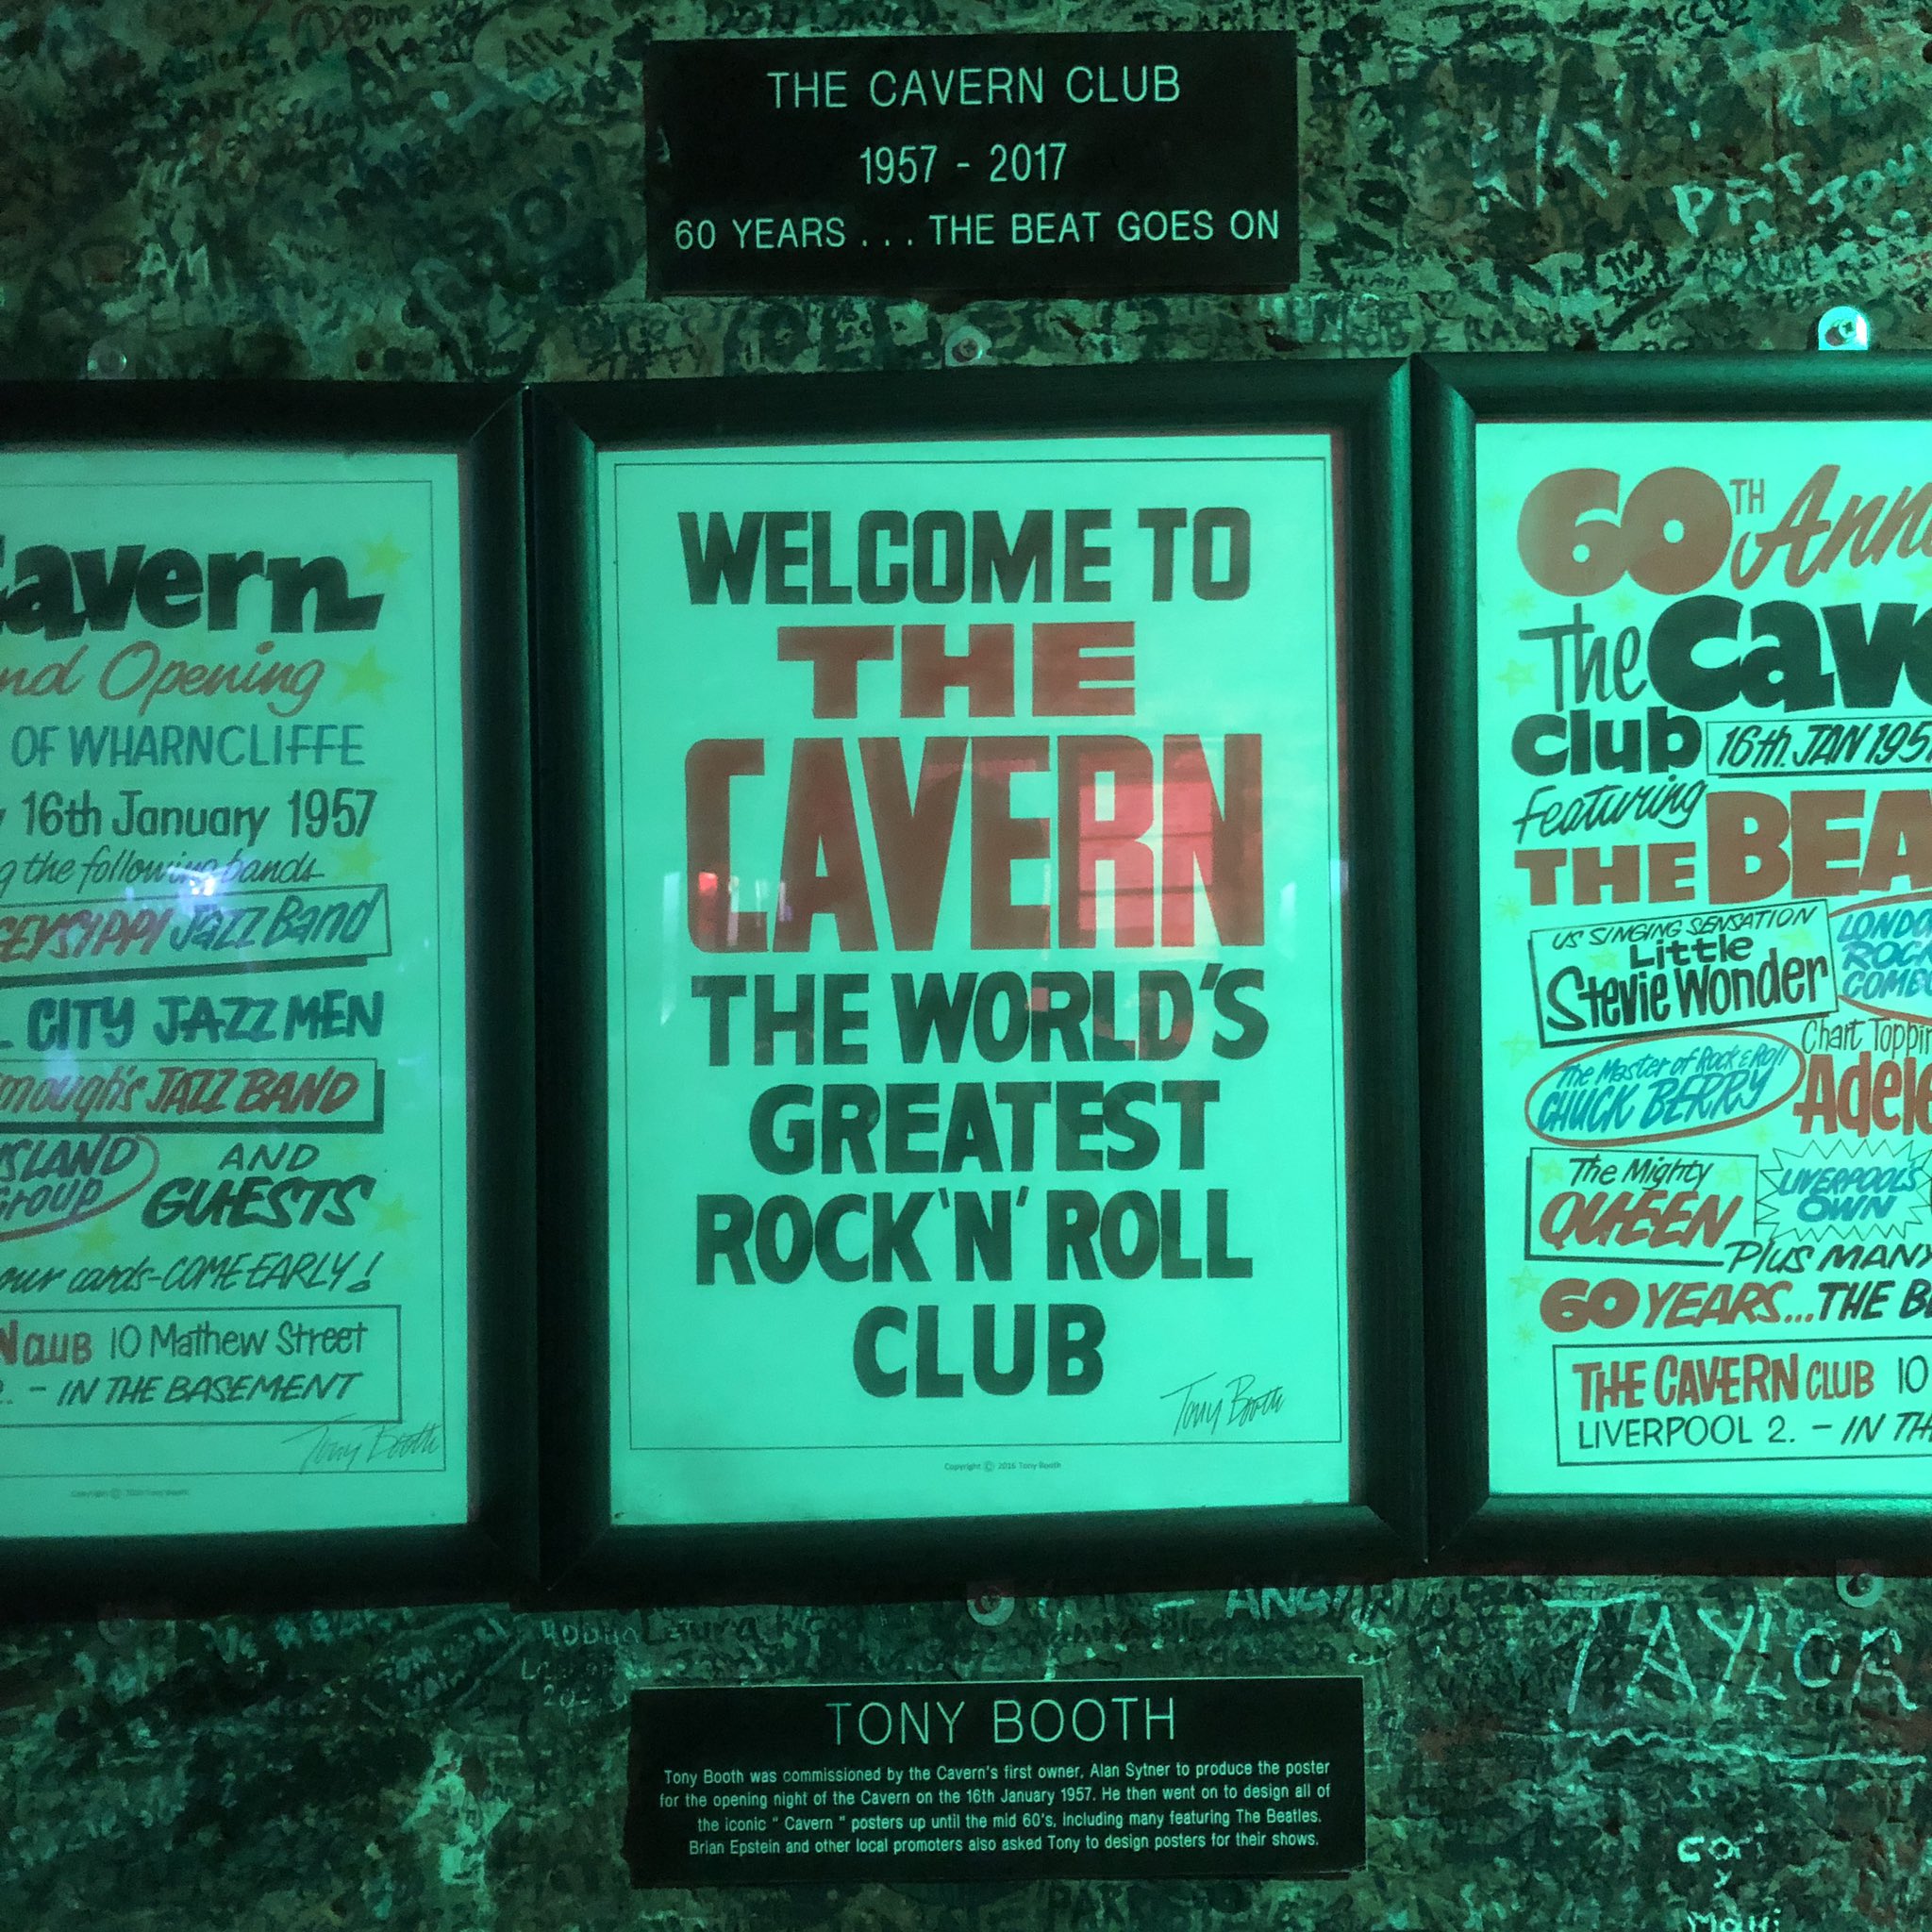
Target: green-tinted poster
1706	718
232	1108
975	968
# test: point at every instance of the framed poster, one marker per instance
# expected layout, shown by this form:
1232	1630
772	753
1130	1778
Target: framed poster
264	859
1676	887
982	1142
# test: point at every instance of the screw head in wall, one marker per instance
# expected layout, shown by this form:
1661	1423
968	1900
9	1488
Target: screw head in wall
965	345
1844	327
1859	1586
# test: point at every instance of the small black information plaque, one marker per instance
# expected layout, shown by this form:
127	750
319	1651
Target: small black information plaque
1012	164
1141	1777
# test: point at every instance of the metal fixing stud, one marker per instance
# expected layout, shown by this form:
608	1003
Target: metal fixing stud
965	345
1859	1585
1844	327
990	1607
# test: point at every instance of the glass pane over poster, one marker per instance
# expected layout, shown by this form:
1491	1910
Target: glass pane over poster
1706	717
1018	1186
233	1133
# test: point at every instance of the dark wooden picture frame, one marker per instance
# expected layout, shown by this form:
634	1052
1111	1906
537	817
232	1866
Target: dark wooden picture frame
1472	1528
492	1555
588	1558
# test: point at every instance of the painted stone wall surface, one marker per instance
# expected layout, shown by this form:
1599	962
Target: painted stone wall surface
210	187
335	188
1606	1755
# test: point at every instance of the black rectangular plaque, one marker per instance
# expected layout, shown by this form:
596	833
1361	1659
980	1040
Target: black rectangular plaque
1008	164
1136	1777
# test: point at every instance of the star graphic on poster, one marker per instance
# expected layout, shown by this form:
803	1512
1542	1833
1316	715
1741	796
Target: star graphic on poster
392	1215
1513	677
1604	959
1509	908
382	558
1496	500
1522	601
1525	1281
356	862
1921	580
1624	604
1519	1047
1549	1169
1761	1136
365	673
98	1239
1845	582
